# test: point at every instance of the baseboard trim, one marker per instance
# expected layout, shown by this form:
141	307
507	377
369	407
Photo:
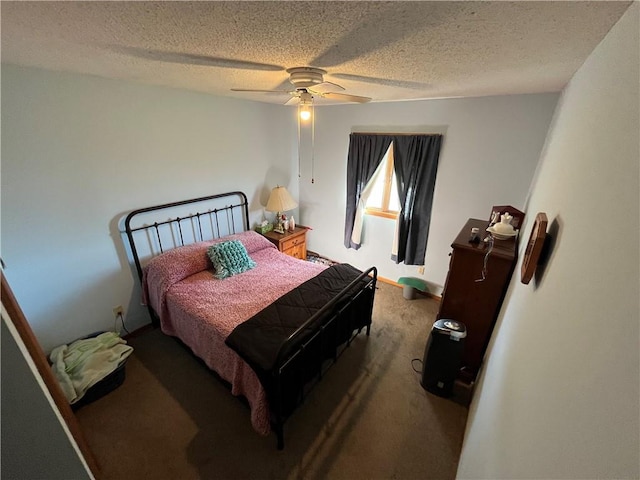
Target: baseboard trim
396	284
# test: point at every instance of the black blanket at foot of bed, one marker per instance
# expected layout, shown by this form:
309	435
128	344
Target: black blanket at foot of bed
259	340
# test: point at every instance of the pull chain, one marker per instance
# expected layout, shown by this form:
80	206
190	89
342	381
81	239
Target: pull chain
298	119
313	139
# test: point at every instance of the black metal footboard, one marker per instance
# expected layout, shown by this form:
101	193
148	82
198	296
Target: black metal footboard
346	312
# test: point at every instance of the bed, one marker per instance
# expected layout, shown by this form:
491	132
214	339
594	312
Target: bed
269	331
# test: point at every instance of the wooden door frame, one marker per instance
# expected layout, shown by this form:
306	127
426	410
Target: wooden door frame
39	358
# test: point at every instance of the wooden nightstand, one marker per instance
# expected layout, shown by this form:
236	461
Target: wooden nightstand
292	243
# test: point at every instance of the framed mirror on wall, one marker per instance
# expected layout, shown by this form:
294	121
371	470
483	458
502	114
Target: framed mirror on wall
534	248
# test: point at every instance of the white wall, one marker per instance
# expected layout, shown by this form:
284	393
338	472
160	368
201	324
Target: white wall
491	147
79	152
559	396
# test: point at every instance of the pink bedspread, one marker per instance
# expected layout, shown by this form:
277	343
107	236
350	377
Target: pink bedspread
202	310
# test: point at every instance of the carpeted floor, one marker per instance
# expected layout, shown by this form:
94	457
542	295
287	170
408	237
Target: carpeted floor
368	418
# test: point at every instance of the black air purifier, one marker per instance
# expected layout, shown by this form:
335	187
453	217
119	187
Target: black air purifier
442	357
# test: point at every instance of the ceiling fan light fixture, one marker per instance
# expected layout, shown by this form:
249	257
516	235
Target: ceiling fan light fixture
305	106
305	112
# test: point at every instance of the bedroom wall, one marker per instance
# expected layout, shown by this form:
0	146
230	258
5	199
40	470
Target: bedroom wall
559	397
79	152
491	147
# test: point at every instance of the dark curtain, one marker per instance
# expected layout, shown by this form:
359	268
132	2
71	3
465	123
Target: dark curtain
415	160
365	154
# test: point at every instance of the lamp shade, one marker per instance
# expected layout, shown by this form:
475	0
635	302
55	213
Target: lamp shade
280	201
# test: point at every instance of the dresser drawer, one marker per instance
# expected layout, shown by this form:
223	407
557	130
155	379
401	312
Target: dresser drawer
290	243
297	251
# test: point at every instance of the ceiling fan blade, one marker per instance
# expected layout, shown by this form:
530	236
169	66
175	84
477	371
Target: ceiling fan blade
345	97
260	91
193	59
293	101
325	87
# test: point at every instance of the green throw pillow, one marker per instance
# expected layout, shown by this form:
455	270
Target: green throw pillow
229	258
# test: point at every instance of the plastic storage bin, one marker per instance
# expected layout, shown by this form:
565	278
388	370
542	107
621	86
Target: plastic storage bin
104	386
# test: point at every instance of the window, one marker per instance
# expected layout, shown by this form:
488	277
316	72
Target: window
416	162
384	200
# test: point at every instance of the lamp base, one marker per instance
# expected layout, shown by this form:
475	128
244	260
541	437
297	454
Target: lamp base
278	225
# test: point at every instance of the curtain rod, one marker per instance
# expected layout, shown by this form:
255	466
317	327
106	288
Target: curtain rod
395	134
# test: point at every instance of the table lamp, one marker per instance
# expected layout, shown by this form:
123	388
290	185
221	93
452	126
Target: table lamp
280	201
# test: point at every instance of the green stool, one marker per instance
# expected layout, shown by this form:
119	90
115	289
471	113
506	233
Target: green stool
410	285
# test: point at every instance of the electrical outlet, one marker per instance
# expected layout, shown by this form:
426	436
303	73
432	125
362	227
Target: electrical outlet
421	270
118	311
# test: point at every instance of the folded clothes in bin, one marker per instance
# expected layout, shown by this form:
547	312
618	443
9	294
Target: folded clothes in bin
97	361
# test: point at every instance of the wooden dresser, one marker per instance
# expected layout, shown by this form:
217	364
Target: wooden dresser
476	303
292	243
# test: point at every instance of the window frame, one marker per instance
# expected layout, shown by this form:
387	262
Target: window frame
387	180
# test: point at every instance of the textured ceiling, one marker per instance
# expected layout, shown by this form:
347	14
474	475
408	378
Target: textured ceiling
383	50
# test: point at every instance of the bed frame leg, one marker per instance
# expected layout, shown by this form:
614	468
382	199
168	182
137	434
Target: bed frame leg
279	421
280	435
155	320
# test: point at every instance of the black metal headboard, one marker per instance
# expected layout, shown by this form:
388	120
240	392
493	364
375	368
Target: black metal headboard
151	233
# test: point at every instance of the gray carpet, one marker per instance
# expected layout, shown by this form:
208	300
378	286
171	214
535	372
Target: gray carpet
368	418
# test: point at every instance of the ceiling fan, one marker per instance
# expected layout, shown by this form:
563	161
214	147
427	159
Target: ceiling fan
308	82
